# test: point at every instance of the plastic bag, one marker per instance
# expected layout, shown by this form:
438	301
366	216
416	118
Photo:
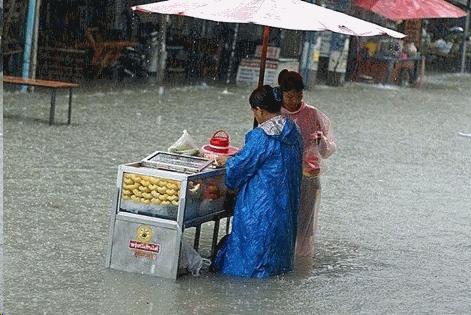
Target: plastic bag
191	260
184	145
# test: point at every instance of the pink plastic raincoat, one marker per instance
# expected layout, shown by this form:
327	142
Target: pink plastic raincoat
317	147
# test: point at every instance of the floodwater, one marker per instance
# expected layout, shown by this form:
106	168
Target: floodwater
395	218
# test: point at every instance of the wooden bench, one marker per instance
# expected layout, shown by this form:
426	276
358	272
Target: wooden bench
52	85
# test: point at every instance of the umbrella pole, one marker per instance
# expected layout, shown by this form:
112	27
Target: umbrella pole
465	35
263	57
231	58
34	49
263	60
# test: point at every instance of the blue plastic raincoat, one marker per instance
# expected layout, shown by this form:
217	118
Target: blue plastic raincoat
267	172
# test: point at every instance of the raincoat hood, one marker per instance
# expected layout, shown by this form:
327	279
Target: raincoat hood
280	129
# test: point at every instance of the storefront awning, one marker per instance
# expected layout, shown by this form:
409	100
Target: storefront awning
411	9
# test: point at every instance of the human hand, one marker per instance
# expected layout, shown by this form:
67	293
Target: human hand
318	136
220	161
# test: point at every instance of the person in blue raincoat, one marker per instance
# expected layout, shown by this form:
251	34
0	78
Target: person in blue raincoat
267	174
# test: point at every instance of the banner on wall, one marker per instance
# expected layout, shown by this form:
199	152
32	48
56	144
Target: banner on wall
249	69
338	57
326	40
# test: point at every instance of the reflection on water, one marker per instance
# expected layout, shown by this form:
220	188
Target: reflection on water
394	216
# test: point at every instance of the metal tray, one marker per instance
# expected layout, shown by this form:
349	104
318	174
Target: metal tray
176	162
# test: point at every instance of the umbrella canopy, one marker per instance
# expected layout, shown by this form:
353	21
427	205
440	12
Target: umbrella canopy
411	9
288	14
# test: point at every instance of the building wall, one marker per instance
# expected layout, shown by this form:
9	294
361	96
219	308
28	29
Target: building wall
14	14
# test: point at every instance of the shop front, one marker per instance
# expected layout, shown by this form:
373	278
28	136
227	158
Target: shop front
388	61
394	61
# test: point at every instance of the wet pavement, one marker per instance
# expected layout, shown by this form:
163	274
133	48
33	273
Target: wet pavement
394	220
1	203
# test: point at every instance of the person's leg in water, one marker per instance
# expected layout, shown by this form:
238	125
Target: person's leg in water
308	216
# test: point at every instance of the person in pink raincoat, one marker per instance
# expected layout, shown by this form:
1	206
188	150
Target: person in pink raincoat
319	144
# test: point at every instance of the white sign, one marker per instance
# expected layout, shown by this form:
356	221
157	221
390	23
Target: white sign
325	43
249	70
338	59
272	52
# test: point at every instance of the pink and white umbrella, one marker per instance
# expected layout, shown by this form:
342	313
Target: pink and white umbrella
288	14
397	10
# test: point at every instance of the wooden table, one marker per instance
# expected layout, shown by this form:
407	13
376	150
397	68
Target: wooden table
53	86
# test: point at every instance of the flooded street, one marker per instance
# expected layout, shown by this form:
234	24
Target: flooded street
395	216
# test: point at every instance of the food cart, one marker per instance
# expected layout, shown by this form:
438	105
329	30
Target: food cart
156	199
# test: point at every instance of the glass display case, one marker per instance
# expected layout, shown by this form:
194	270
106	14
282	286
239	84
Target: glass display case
164	185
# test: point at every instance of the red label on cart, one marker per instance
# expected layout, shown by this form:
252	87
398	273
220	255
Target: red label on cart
147	247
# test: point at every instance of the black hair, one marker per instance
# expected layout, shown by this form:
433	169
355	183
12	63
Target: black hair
290	80
266	98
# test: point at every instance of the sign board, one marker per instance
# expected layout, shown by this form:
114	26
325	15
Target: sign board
249	70
338	59
255	63
325	43
272	52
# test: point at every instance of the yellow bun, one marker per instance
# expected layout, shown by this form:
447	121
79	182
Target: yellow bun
145	182
144	189
170	192
144	200
137	192
165	202
172	198
147	195
175	203
163	197
126	197
135	198
131	187
155	201
127	192
153	187
153	180
162	190
171	186
155	194
128	181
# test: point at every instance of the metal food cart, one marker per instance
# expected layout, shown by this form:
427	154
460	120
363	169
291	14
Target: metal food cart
156	199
